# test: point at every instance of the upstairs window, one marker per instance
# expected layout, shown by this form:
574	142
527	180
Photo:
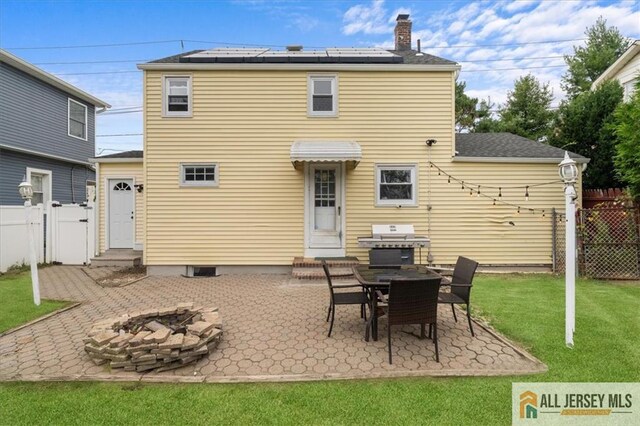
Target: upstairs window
77	120
199	174
323	96
629	87
177	96
396	185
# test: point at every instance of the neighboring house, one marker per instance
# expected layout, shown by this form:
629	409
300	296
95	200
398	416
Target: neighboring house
253	157
626	69
47	134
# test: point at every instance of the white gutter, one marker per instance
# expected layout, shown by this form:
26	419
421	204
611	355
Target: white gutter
189	66
40	154
116	160
54	81
533	160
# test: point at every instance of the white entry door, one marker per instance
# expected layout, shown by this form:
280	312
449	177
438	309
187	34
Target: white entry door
324	210
121	213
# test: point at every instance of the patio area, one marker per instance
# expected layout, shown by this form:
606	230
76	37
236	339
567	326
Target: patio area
274	330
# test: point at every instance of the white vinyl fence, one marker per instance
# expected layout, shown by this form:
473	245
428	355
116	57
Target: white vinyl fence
63	234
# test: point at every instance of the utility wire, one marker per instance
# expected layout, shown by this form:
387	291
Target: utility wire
85	46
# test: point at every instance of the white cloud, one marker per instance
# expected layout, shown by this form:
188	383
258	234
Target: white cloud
367	19
518	5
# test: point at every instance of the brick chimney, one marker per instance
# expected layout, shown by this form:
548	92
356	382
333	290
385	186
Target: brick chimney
402	32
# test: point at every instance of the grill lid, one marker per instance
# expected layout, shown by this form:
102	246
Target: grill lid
402	231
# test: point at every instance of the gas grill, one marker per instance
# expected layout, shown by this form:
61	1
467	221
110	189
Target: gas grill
394	238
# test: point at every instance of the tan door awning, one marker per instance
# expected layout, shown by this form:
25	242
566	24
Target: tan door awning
326	151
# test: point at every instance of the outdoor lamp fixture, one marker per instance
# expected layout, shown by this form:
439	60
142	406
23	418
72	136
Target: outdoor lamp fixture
569	173
26	192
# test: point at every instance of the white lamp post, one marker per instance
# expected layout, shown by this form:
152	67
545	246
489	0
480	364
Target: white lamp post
569	174
26	192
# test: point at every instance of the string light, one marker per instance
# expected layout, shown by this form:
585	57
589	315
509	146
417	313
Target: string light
495	200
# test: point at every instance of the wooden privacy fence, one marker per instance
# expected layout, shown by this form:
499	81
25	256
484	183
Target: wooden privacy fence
608	242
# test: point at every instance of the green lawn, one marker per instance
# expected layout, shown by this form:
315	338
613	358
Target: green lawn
529	309
16	301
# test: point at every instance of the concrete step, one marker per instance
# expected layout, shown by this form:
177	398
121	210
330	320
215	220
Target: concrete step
309	262
317	273
118	257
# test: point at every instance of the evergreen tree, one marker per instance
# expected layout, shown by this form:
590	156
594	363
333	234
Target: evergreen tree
468	110
627	129
585	126
604	45
527	111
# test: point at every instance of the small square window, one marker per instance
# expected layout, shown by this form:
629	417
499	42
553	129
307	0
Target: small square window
77	126
396	185
177	96
323	96
199	174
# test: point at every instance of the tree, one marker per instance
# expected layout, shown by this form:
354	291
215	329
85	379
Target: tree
468	110
604	45
584	126
527	111
627	129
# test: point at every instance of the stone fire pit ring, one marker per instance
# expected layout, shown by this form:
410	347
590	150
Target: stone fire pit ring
155	339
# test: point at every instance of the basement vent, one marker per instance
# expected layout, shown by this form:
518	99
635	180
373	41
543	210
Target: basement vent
201	271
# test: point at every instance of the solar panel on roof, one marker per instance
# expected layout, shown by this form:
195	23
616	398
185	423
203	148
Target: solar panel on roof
228	53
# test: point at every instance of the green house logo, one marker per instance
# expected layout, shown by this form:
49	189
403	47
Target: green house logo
528	405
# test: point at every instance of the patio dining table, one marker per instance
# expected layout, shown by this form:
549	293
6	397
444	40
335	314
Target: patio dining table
374	278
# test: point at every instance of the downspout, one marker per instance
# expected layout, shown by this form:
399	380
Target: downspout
73	192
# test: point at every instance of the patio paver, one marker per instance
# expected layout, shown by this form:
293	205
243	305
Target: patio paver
274	330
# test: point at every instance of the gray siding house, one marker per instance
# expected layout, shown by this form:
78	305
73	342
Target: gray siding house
47	134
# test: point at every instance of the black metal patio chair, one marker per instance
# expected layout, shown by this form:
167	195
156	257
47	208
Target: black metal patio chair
344	298
412	301
460	283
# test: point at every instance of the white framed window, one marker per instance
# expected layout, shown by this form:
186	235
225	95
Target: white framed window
201	174
40	181
396	185
322	95
77	127
177	96
629	87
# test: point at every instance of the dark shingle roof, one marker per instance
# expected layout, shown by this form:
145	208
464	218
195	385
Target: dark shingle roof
507	145
125	154
403	57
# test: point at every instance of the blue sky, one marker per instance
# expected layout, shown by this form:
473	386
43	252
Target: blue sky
482	35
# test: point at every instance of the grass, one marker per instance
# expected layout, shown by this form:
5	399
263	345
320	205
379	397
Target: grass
16	300
529	309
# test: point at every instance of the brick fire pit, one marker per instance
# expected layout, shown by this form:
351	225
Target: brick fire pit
159	340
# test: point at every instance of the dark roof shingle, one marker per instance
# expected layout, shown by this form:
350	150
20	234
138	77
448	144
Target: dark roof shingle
507	145
125	154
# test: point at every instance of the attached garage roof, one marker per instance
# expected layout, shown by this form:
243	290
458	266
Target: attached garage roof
120	157
348	151
507	147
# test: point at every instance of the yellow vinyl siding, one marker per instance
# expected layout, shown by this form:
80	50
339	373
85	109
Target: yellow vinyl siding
246	121
108	171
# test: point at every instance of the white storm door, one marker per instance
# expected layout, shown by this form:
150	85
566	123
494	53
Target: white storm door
325	206
121	212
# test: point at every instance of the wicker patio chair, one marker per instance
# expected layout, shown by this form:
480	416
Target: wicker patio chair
461	283
412	301
341	298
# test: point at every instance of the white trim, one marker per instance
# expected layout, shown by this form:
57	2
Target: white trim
36	72
200	184
40	154
107	187
524	160
333	78
414	188
165	104
49	175
97	160
86	119
187	66
614	68
97	215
